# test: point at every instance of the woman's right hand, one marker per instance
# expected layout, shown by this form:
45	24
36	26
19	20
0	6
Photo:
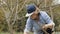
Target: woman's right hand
26	32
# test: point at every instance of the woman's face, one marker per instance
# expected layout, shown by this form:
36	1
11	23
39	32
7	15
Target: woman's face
35	15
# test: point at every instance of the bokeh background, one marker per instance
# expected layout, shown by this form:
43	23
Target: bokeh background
12	14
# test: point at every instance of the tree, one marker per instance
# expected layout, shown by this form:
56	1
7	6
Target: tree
11	9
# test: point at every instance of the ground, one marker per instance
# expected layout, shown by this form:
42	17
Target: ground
22	33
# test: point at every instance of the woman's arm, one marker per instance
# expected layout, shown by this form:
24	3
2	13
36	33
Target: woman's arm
28	26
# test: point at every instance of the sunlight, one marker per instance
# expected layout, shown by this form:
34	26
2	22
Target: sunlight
56	2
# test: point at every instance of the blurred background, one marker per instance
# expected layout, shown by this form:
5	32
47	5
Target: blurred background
12	14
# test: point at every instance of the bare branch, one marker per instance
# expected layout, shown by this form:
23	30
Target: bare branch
6	4
50	6
21	18
22	6
15	13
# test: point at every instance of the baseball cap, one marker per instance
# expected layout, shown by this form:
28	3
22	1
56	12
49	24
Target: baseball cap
30	9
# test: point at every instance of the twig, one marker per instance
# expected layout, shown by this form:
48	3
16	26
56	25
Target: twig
22	6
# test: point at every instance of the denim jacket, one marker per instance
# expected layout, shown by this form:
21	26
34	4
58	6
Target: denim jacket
32	25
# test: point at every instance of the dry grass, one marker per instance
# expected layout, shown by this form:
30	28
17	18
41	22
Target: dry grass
22	33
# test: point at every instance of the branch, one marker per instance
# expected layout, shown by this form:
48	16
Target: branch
50	6
15	13
22	6
4	12
21	18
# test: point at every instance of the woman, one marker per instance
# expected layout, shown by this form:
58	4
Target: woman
36	18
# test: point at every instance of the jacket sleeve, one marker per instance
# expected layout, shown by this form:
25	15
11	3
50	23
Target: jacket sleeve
47	18
28	26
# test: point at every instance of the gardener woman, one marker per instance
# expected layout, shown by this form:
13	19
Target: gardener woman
37	21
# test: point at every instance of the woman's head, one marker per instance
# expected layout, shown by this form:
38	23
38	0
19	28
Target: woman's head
32	11
35	14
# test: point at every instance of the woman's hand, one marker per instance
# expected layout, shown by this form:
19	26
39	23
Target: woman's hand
45	27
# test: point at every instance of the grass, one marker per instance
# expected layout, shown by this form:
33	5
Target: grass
9	33
57	33
22	33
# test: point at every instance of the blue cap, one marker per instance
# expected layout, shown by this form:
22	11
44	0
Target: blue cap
31	8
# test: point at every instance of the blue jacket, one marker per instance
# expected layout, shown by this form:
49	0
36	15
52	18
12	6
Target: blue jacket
32	25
